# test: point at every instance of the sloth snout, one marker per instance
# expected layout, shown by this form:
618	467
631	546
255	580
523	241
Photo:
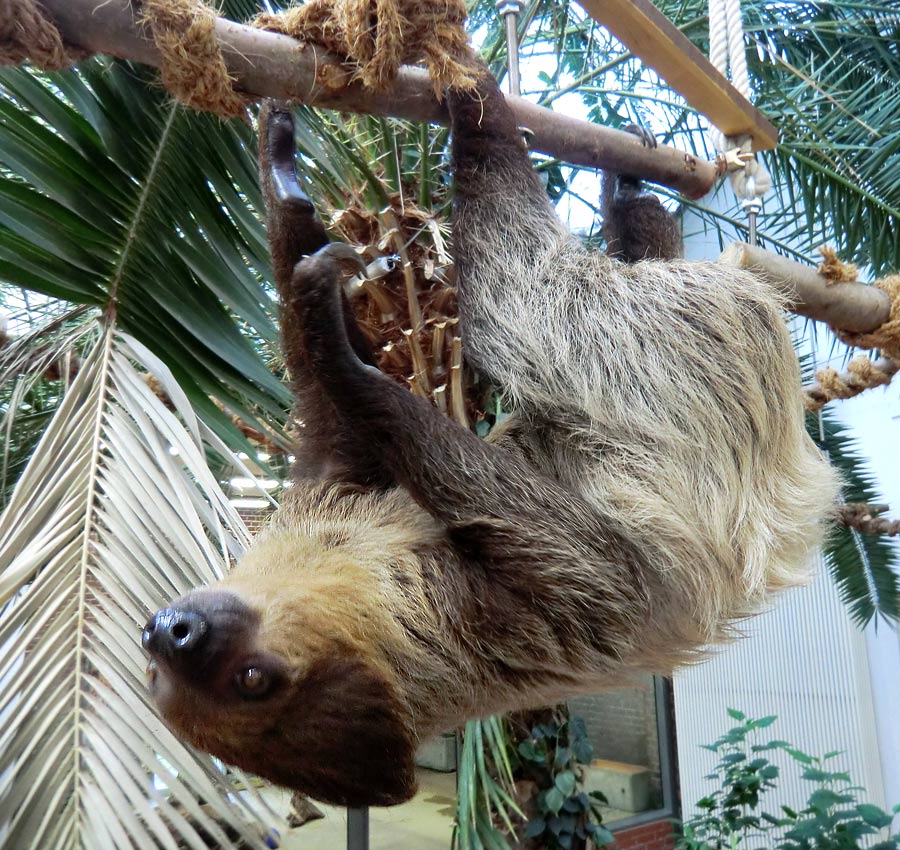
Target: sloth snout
174	632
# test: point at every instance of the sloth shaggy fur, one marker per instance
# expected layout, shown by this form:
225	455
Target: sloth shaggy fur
653	485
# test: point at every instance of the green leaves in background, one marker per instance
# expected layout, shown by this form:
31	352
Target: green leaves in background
113	196
864	566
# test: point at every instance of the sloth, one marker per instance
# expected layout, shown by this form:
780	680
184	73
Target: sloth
636	225
653	484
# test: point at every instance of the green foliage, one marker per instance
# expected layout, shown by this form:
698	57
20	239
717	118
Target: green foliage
113	197
553	758
864	566
546	765
734	814
486	807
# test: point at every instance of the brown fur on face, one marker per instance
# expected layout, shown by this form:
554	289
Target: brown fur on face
332	724
653	484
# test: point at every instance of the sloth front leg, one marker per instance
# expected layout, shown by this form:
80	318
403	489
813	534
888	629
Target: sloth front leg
499	511
327	448
517	305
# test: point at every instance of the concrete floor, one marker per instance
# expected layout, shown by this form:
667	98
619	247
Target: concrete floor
424	823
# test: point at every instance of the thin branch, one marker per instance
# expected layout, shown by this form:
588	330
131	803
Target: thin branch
265	64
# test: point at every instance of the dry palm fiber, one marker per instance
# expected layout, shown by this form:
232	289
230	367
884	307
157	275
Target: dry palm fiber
410	315
378	36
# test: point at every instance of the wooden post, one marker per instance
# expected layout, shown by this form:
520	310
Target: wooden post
651	35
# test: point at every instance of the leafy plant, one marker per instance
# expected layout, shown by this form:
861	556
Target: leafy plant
563	815
732	816
486	807
533	789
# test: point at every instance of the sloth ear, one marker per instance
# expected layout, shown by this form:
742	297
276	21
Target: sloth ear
358	748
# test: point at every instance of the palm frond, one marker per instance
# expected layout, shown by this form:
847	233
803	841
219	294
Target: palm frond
34	371
113	196
115	514
865	568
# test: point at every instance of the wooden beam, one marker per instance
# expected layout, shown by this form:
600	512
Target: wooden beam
853	307
649	34
266	64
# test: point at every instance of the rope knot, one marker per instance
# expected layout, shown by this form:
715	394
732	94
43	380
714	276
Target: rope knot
193	69
29	37
378	36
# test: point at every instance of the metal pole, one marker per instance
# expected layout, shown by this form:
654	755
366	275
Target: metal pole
510	10
358	829
752	206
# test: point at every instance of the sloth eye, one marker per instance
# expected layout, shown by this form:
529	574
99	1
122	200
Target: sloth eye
254	682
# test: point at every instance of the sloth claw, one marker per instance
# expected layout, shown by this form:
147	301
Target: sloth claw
646	138
280	142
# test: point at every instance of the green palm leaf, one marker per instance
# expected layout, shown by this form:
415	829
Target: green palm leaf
113	196
864	567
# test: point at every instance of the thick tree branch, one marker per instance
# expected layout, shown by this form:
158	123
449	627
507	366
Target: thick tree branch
852	307
272	65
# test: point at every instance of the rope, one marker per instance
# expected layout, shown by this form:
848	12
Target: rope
726	52
192	68
835	270
862	374
866	518
378	36
718	36
737	57
29	37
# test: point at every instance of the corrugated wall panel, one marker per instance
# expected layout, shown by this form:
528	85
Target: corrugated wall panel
803	660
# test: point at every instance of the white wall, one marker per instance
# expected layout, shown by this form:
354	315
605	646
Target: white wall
803	660
874	418
832	685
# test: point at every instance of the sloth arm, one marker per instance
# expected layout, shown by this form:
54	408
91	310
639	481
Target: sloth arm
328	447
500	512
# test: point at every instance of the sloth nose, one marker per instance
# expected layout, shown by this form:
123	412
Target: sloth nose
173	632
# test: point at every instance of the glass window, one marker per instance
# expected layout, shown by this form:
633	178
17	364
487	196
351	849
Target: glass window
629	729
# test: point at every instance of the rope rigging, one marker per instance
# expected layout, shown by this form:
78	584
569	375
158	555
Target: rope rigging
748	176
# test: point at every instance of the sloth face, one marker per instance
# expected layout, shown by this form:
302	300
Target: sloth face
241	673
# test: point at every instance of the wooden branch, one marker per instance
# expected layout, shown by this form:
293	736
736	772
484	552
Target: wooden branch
266	64
866	519
852	307
648	33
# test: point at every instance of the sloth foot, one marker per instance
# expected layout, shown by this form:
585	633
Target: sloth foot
342	251
646	138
